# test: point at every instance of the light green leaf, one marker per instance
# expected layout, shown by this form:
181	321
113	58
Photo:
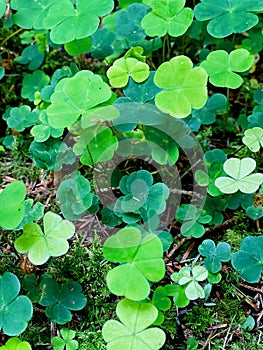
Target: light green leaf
12	205
74	97
33	83
143	258
69	22
184	87
123	68
16	344
53	242
132	332
221	67
239	170
167	16
253	139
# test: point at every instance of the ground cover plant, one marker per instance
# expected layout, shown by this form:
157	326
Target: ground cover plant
131	198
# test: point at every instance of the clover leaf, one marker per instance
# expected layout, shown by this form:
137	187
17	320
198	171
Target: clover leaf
102	43
53	242
33	83
132	332
141	197
184	87
31	213
214	254
254	213
221	67
228	17
253	139
31	14
43	130
188	287
167	16
248	261
16	344
15	311
51	154
60	300
123	68
74	196
141	261
131	30
240	177
66	340
31	56
216	104
69	22
12	205
21	118
76	96
96	144
192	220
214	207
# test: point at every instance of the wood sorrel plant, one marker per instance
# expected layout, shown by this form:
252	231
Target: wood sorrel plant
164	73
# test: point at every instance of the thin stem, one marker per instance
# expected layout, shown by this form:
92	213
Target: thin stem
10	36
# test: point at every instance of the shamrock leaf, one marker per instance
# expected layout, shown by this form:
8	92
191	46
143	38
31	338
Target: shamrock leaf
253	139
141	261
51	154
190	278
214	207
12	205
214	254
192	220
248	261
239	170
160	297
220	67
65	341
15	311
31	13
255	213
74	196
123	68
31	213
53	242
131	30
132	332
21	118
16	344
33	83
228	17
184	87
43	131
96	144
167	16
60	300
69	22
102	43
31	56
216	104
76	96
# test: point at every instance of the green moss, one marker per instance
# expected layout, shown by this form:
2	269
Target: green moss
199	319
